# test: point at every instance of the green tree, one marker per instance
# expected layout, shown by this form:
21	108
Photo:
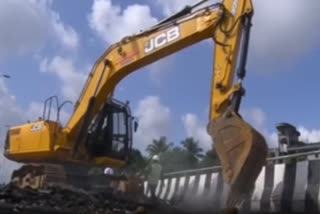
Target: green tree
158	147
192	147
175	159
136	160
193	152
211	158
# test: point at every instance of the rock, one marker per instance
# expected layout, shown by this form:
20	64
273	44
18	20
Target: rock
140	210
65	199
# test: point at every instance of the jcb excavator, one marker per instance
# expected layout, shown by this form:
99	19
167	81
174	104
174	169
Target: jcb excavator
99	132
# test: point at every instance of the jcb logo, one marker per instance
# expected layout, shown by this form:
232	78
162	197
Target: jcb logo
162	39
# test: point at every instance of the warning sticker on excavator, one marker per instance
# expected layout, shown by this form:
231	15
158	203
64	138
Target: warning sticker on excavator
234	7
36	127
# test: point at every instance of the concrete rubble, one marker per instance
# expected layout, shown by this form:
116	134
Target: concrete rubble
58	199
63	200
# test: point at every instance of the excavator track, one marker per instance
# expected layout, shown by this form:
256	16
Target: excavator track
39	176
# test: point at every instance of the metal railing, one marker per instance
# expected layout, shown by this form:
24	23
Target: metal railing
270	160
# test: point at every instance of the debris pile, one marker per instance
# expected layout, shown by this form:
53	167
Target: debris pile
63	199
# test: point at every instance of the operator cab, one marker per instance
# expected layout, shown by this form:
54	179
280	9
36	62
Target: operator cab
110	132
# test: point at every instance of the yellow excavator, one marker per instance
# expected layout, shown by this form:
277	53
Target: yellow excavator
99	131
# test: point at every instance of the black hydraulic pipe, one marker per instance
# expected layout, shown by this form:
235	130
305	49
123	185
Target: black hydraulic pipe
186	10
244	50
236	100
86	118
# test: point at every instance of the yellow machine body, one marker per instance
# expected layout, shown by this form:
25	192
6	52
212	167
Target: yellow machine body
44	141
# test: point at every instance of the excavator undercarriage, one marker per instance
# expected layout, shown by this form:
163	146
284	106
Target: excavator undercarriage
39	176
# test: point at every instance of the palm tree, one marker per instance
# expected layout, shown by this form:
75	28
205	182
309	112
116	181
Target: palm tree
175	159
192	147
136	161
159	146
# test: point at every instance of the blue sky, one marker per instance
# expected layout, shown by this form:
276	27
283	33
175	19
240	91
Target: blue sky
48	47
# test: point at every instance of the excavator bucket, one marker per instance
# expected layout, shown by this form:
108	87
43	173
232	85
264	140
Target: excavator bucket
242	151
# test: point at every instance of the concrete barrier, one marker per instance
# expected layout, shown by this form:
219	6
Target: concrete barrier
288	183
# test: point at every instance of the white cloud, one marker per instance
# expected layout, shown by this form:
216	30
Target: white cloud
66	34
197	129
306	135
309	136
26	27
284	29
154	121
112	23
7	167
169	7
10	115
64	68
194	128
257	118
23	27
35	110
272	139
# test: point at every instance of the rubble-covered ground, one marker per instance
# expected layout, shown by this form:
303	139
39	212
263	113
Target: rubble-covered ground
64	199
58	199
